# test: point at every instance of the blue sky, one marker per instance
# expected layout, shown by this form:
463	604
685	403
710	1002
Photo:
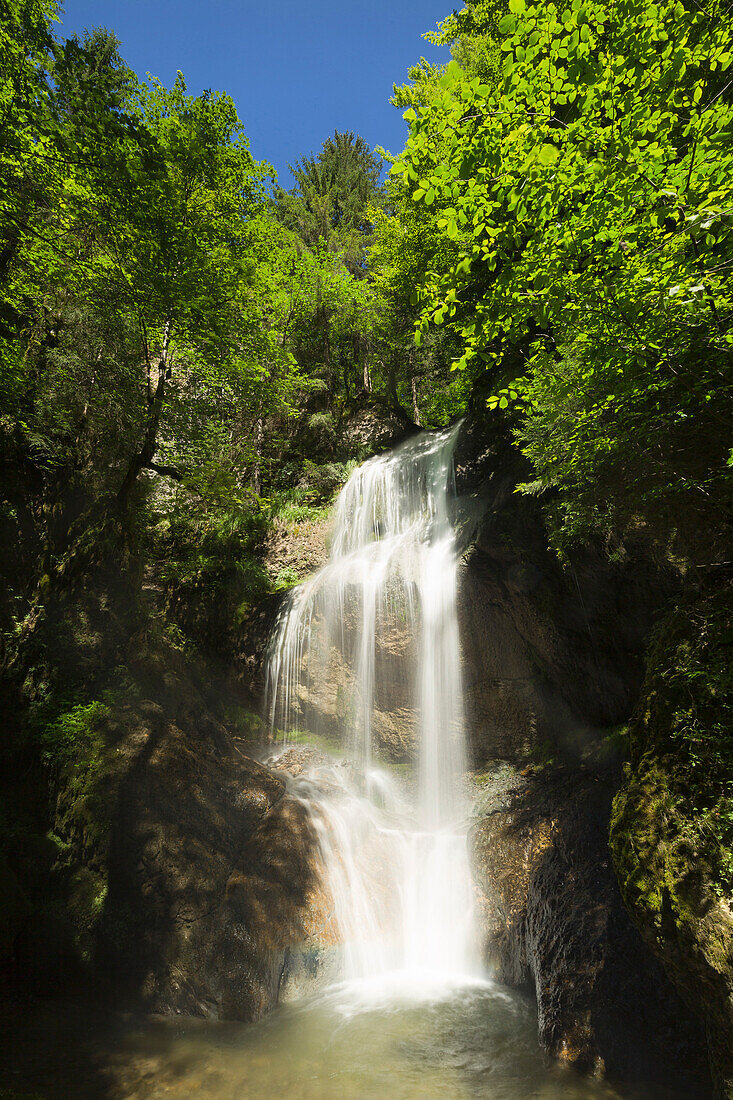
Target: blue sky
297	70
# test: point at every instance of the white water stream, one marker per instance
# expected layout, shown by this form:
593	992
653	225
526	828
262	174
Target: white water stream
373	633
377	625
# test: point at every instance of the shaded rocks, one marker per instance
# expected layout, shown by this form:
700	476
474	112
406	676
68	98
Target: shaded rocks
210	873
552	919
552	653
666	884
671	829
371	424
182	870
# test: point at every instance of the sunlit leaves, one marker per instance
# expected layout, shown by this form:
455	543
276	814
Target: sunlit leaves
573	177
586	194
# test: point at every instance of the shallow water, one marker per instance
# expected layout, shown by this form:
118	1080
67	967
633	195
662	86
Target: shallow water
394	862
355	1043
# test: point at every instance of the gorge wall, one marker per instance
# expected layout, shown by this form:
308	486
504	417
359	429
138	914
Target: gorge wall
185	874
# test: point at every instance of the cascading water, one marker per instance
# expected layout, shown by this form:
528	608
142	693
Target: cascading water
394	853
372	634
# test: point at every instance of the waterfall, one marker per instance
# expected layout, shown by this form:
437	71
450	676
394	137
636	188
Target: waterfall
375	631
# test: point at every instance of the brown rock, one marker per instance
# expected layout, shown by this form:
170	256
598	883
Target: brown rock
552	918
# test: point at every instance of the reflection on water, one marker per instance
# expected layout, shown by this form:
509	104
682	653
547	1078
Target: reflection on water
353	1044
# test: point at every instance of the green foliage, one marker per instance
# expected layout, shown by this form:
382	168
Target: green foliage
286	578
581	196
247	724
408	243
335	191
322	430
293	507
333	327
156	340
204	549
25	49
72	736
322	482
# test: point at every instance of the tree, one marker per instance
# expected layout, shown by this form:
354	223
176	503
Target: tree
146	291
585	195
25	51
334	194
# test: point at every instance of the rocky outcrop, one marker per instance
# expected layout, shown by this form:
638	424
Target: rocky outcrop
553	653
671	829
554	664
183	870
210	870
371	425
552	919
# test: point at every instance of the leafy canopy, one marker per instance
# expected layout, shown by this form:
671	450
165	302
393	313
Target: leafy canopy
586	195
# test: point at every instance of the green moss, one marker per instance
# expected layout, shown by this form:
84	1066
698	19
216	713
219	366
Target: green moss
671	832
74	734
246	724
331	746
87	893
659	860
688	721
541	756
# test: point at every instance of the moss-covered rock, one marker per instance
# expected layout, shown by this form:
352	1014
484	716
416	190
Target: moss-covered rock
553	919
672	822
150	810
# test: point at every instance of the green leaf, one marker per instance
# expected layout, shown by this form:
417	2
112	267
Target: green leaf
548	154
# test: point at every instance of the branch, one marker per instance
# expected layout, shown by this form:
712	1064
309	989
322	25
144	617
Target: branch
166	471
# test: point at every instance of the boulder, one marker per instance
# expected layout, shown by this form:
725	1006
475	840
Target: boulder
552	919
671	833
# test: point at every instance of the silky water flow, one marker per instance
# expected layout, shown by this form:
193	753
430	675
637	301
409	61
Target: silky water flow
376	628
365	650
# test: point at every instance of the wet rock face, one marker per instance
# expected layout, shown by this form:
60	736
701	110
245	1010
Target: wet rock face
670	832
210	869
327	693
551	654
552	918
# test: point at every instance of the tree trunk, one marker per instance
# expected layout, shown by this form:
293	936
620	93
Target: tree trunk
391	383
257	468
327	353
415	406
150	439
367	375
